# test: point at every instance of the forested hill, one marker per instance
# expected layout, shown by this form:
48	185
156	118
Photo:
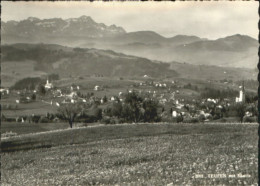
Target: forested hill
68	61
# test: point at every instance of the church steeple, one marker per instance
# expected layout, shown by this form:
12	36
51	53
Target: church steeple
243	86
242	96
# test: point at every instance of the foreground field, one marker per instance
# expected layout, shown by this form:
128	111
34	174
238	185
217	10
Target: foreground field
144	154
27	128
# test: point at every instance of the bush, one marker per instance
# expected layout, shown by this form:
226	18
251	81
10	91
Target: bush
27	83
10	119
191	120
248	119
43	120
202	117
108	120
179	119
36	118
216	116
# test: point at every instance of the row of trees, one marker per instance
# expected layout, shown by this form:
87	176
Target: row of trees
32	83
134	109
218	94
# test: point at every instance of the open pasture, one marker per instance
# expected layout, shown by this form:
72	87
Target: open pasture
27	109
27	128
137	154
12	71
90	82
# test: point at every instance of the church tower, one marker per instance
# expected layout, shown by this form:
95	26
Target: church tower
242	95
243	92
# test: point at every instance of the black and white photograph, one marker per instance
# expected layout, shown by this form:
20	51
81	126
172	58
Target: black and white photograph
129	93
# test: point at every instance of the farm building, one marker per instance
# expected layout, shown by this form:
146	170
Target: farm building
96	88
4	91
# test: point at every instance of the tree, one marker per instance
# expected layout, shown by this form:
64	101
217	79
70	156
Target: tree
69	112
240	110
33	97
27	83
133	107
150	111
105	99
41	90
117	109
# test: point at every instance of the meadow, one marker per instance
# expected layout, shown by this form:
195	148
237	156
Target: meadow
12	71
135	154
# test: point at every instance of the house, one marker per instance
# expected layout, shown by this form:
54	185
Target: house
4	91
211	100
96	88
174	114
180	106
66	101
74	87
57	93
72	95
163	100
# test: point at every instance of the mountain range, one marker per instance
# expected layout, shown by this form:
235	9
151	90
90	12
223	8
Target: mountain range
231	51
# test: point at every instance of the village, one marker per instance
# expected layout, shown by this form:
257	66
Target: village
176	101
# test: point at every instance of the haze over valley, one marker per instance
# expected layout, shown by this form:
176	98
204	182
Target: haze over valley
231	51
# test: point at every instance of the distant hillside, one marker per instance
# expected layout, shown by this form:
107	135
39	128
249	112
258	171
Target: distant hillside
35	60
206	72
79	62
232	51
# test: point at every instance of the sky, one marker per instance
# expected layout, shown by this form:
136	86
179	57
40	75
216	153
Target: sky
210	20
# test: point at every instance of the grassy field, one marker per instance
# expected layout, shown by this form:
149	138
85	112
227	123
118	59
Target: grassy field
137	154
13	71
27	128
